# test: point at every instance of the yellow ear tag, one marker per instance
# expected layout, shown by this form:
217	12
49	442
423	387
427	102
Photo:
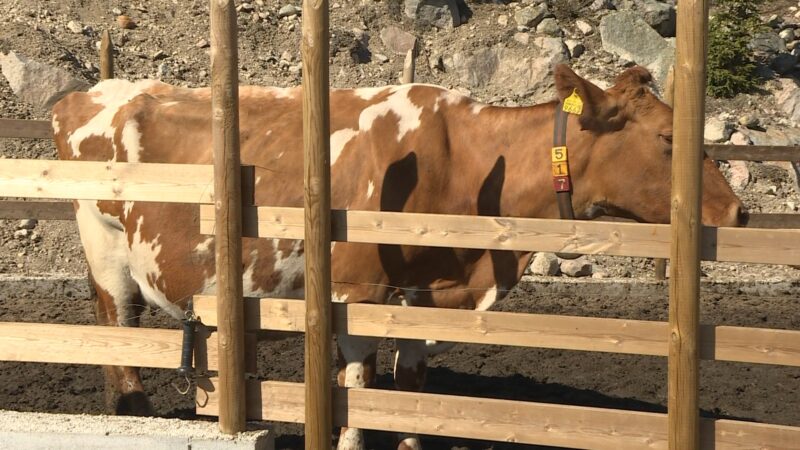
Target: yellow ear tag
573	104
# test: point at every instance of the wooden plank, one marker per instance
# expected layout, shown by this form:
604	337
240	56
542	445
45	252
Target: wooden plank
683	369
638	337
774	221
753	152
317	210
500	420
228	188
91	344
85	180
409	68
31	129
506	233
106	56
37	210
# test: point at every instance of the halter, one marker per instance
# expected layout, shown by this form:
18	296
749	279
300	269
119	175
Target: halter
562	183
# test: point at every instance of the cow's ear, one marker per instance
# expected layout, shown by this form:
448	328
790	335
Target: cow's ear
598	107
632	83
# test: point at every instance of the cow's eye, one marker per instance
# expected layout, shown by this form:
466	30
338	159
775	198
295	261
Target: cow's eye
666	138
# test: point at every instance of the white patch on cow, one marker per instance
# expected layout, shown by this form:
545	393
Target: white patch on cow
339	139
437	347
368	93
487	300
112	95
204	247
412	443
370	189
339	298
249	288
279	155
127	208
399	104
478	107
283	92
168	104
291	267
409	354
449	98
132	140
105	247
268	133
351	439
56	126
143	260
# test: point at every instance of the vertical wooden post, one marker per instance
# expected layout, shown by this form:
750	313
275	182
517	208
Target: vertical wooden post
106	56
316	140
228	208
687	160
409	67
669	98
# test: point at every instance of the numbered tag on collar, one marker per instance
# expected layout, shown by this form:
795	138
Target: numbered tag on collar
573	104
562	184
558	154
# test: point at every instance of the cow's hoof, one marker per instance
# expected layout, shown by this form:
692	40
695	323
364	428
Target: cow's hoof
134	404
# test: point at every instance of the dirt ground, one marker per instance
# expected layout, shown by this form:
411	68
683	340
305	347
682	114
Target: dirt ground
728	390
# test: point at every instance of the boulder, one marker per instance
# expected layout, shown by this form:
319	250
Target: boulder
660	16
549	27
717	130
514	70
783	63
580	267
576	48
438	13
768	43
739	138
789	99
544	264
397	41
530	16
627	35
740	175
37	83
584	27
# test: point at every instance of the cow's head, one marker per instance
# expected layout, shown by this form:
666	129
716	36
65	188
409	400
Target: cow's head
623	154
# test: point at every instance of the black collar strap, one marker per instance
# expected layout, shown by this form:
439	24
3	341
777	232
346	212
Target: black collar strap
562	183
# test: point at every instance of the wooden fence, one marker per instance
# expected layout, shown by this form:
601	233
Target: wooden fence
504	420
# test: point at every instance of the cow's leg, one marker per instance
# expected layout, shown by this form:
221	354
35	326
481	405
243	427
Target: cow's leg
410	365
356	363
124	391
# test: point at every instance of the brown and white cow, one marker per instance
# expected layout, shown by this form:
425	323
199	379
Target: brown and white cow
415	148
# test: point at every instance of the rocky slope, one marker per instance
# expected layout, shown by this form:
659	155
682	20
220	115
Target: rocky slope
498	51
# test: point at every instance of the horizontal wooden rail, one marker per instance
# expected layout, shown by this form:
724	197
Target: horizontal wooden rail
506	233
19	128
497	420
83	180
90	344
640	337
59	210
753	152
774	221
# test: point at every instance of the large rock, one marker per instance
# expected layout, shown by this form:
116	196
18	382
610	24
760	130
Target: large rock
544	264
580	267
660	16
530	16
768	43
438	13
627	35
740	174
789	99
397	41
514	70
37	83
717	130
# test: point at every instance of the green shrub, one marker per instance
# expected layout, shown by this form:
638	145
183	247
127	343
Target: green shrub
730	59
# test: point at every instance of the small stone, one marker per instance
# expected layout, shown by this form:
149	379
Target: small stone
584	27
380	58
530	16
576	48
27	224
580	267
36	237
161	54
126	23
740	174
202	43
772	190
599	275
749	121
544	264
116	11
247	7
739	138
289	11
291	27
791	206
787	35
502	20
522	38
397	41
296	69
162	70
74	27
21	234
549	27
